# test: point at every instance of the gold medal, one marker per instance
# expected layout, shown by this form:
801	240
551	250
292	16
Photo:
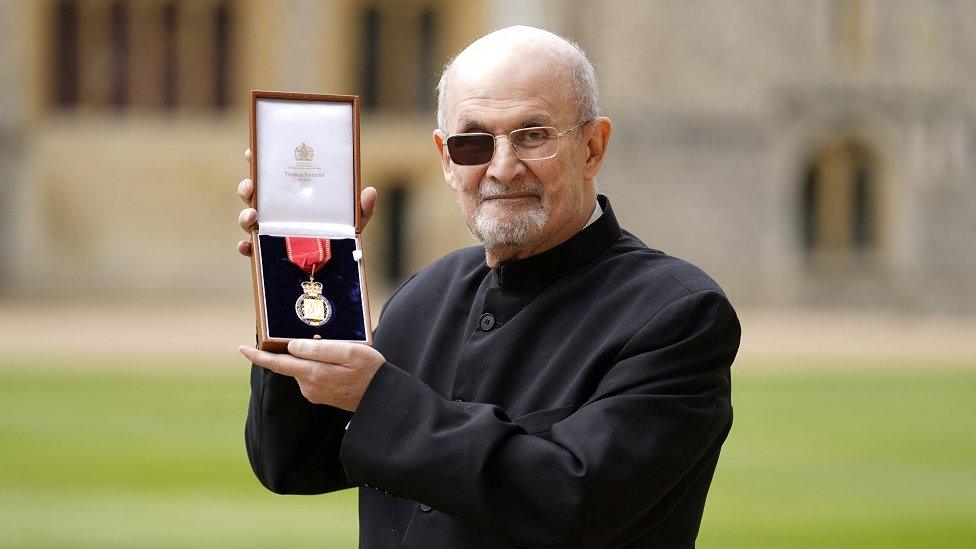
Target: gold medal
311	307
310	254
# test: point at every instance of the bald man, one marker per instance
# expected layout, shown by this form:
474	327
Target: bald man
561	385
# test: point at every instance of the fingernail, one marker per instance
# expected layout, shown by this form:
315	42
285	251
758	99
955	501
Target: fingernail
297	346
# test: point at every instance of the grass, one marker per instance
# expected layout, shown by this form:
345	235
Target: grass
848	460
150	458
144	460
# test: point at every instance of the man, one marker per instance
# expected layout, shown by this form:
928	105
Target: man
561	386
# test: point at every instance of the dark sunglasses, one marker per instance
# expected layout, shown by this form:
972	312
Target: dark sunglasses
537	143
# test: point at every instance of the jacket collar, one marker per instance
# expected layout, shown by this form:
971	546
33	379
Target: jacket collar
550	265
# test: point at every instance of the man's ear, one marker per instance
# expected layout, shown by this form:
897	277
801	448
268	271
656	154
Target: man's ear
440	142
596	146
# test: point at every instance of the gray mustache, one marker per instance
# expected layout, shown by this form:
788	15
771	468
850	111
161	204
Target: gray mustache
493	189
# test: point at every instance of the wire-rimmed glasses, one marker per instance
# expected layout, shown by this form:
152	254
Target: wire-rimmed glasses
536	143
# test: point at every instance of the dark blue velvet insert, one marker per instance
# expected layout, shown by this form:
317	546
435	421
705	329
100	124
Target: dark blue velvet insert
282	286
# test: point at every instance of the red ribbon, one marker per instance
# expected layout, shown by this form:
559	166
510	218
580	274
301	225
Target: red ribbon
310	254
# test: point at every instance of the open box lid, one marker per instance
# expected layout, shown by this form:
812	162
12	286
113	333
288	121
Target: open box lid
305	163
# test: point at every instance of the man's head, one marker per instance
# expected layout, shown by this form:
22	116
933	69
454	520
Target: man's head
511	79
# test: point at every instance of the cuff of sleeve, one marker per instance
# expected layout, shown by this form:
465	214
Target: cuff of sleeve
373	449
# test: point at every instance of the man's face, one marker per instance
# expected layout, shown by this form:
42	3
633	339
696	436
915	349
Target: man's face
510	202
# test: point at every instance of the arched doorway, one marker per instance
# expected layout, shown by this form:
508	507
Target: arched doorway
839	205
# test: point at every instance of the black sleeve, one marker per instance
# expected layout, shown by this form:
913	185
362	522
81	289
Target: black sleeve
292	444
664	404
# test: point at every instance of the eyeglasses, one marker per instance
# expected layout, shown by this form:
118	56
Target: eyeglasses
537	143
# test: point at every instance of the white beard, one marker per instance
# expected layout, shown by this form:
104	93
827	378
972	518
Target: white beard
512	232
515	230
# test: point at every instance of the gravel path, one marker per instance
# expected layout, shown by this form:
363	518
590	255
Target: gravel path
68	333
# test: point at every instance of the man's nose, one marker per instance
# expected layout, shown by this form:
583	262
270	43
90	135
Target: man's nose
504	165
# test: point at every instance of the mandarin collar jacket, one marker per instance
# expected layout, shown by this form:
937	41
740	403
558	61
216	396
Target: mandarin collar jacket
575	398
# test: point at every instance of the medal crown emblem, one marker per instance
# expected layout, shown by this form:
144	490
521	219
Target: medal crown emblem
304	153
311	287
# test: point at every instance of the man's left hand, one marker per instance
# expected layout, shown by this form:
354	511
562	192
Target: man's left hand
328	372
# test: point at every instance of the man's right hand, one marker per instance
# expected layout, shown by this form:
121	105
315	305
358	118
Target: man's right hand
248	218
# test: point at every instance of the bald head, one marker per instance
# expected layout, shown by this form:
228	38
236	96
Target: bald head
520	52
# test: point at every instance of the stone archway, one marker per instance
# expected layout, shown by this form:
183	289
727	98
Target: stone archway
839	204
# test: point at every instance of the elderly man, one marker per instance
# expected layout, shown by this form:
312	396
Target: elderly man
561	385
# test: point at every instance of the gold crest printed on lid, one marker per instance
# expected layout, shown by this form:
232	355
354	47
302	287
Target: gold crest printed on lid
304	153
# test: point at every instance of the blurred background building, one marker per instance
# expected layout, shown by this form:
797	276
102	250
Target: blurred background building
813	153
817	157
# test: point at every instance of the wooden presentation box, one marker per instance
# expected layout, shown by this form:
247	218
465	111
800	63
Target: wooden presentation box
305	169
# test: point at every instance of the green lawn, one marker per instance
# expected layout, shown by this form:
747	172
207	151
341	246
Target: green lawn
155	459
847	460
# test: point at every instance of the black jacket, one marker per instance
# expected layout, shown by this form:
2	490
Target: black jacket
576	398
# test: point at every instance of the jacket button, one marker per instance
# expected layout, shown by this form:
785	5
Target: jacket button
425	508
487	321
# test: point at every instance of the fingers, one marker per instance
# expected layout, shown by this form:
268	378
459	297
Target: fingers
245	190
249	216
367	204
248	219
334	352
282	364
